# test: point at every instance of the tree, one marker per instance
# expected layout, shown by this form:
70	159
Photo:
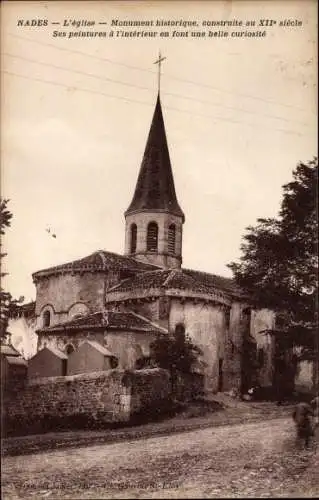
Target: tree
175	353
6	301
279	263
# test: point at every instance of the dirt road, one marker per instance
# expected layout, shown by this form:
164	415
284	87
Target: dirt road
247	460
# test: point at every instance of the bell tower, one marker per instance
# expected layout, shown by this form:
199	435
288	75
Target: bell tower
154	219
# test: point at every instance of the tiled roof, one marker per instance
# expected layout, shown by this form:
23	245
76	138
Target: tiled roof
213	280
9	350
56	352
98	261
182	279
14	360
155	188
147	280
98	347
24	310
110	320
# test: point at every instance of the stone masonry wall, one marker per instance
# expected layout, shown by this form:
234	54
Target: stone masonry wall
205	325
60	293
150	393
261	320
163	220
86	400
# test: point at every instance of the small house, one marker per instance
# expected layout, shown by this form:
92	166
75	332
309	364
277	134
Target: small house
13	366
49	362
14	370
90	356
8	350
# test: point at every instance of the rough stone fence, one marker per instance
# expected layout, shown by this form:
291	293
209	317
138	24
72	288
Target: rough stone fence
110	398
189	386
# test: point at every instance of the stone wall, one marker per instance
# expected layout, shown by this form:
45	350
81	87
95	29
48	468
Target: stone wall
189	386
128	347
150	392
86	359
205	324
62	292
162	256
233	349
264	319
86	400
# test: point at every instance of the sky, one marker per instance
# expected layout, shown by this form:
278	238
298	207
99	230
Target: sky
240	113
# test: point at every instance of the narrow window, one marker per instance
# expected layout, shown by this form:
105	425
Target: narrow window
64	367
227	317
180	332
46	319
171	238
133	237
152	237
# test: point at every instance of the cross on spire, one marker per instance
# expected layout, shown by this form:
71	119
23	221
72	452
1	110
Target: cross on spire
159	62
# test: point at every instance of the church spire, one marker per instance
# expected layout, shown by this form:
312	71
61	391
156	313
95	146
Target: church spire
154	220
155	188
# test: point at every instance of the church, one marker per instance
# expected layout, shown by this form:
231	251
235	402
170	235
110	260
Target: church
122	302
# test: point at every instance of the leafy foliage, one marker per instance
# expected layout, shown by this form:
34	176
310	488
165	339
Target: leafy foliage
6	301
279	263
177	354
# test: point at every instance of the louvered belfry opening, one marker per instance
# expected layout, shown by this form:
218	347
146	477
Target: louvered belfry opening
152	237
133	238
171	238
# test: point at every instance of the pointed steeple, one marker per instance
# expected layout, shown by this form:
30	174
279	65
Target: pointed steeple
155	190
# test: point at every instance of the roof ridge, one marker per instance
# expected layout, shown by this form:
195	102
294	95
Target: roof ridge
88	262
113	288
117	285
101	253
171	275
148	321
210	274
98	346
57	351
158	268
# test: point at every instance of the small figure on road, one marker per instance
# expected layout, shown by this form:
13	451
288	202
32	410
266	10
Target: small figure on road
303	417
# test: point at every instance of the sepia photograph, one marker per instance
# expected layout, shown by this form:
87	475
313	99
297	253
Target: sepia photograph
159	249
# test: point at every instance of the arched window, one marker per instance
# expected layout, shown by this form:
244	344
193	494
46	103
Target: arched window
152	237
133	237
46	319
180	332
171	238
69	349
